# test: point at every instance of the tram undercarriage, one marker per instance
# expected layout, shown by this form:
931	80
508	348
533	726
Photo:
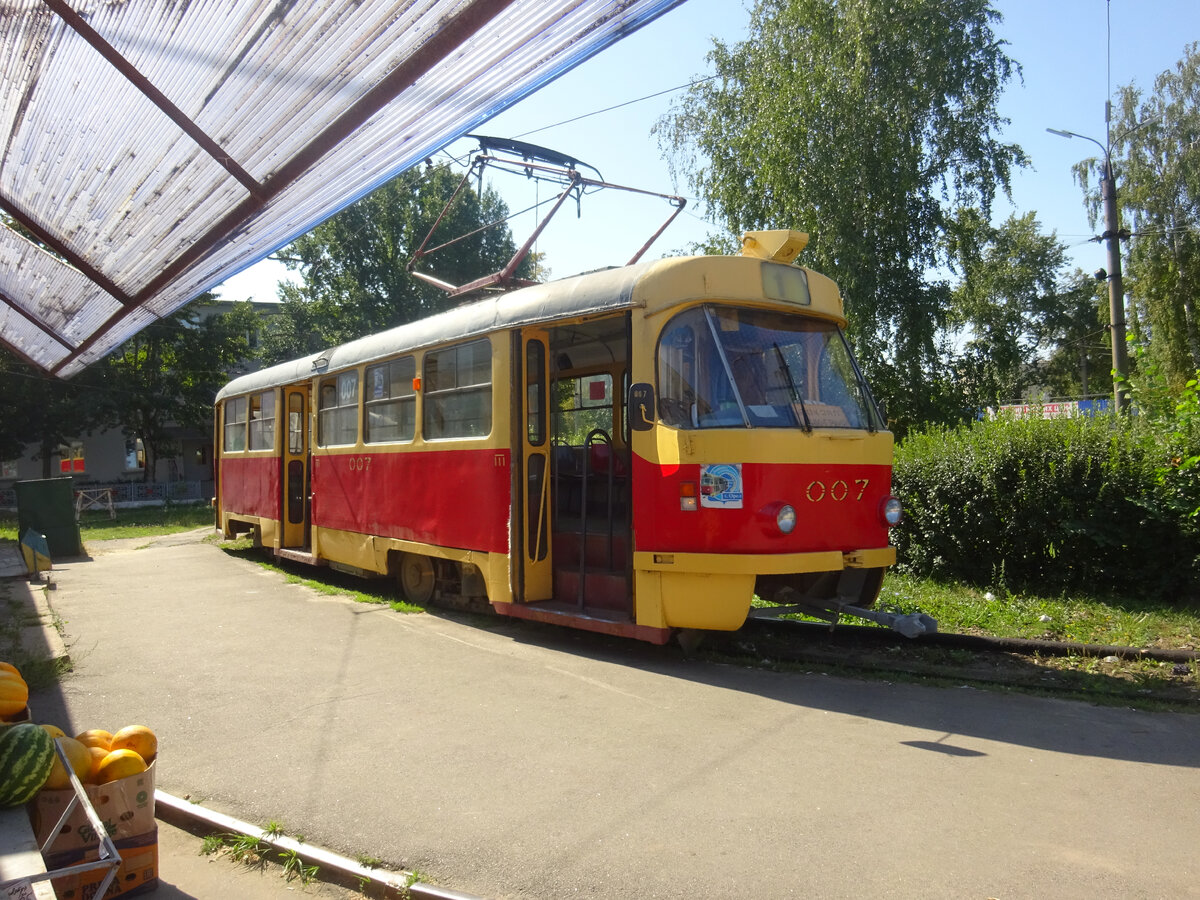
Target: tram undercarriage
831	595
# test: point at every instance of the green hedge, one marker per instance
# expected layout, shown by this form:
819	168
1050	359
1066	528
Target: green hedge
1050	505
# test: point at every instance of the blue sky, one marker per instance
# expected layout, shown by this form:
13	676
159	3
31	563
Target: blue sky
1062	46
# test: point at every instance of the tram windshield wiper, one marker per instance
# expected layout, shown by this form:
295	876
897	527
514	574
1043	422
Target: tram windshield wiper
797	400
724	357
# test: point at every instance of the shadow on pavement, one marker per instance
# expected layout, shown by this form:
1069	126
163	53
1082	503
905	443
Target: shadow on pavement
1058	725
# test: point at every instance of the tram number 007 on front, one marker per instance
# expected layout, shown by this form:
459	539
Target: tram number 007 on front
838	491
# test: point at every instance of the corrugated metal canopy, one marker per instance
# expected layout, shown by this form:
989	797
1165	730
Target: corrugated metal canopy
160	146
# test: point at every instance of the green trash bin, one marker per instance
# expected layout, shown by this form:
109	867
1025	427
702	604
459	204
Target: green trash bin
47	505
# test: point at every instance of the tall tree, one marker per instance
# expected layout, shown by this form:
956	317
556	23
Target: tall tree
866	124
1008	301
1079	363
167	375
355	264
1156	156
44	412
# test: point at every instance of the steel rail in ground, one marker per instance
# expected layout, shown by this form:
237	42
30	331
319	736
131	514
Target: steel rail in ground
955	641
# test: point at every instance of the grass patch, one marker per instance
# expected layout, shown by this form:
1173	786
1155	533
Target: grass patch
329	581
257	852
1072	617
140	521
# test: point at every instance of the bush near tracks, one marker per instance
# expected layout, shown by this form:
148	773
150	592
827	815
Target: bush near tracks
1100	504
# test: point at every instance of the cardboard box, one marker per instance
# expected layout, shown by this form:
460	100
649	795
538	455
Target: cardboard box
138	872
125	807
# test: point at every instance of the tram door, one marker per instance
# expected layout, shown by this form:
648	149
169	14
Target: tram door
537	568
294	482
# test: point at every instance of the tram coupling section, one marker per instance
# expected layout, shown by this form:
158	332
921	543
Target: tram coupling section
792	602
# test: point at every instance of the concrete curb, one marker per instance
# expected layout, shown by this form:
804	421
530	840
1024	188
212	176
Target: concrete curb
35	638
334	868
42	640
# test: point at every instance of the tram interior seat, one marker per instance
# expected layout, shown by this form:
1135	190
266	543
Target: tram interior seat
567	458
600	455
568	476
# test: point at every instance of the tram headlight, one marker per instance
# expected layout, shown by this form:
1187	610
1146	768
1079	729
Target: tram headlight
786	518
891	511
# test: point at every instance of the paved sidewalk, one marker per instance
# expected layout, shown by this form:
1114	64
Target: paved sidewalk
507	759
186	873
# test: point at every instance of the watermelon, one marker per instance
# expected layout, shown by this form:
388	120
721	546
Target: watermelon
26	757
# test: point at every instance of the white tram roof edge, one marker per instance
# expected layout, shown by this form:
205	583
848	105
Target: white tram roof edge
579	295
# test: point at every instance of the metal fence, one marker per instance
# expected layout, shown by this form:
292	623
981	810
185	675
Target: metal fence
135	493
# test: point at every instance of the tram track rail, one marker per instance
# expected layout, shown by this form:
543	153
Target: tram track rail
956	641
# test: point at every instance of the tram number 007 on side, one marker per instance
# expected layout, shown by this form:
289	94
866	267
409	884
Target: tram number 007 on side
360	463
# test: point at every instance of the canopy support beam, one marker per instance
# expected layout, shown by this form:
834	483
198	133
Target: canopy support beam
451	34
80	26
94	275
41	326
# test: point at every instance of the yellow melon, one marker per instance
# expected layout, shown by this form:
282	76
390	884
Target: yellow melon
54	731
95	737
9	667
80	758
137	738
119	764
97	755
14	693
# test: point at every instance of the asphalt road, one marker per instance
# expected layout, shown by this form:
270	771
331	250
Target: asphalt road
506	759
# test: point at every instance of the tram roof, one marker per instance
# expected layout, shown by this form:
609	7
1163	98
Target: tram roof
568	298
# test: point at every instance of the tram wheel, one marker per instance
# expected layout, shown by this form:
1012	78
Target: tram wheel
417	578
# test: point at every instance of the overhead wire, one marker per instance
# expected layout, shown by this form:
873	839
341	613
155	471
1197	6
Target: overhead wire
598	112
461	160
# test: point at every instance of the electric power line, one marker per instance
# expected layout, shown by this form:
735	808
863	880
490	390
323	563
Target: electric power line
619	105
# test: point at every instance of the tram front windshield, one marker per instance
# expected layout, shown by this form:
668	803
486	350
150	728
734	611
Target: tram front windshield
725	367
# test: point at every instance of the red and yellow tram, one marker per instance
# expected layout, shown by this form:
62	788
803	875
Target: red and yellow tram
632	451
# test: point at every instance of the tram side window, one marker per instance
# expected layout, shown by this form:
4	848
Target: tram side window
457	385
391	402
337	417
262	421
235	425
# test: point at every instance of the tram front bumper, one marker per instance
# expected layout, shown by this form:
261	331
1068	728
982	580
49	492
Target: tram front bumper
713	591
764	563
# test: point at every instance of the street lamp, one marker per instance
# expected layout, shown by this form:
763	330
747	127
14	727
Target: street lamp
1116	288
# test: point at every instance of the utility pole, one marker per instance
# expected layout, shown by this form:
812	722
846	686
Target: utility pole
1116	288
